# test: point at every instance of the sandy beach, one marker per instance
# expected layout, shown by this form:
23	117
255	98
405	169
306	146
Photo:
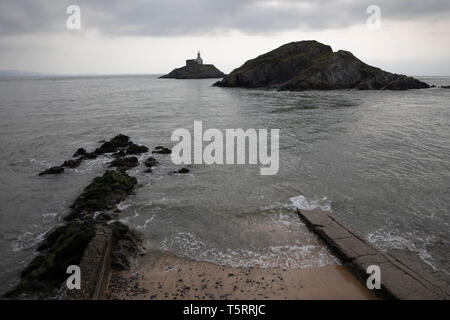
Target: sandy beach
165	276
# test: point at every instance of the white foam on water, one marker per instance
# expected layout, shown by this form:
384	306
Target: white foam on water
49	216
301	202
89	165
27	240
42	163
96	214
146	223
124	205
282	256
390	240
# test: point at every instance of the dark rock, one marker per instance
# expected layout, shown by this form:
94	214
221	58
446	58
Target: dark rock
182	170
80	152
310	65
119	154
162	150
195	71
405	83
73	163
151	162
52	170
136	149
445	87
124	163
106	147
149	170
62	247
107	216
90	155
119	141
103	193
127	245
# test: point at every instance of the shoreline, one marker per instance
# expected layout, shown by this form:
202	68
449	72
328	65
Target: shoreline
164	276
115	265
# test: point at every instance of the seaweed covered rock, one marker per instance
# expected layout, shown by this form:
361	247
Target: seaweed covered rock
311	65
103	193
62	247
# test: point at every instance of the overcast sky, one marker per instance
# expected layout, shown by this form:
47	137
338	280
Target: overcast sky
155	36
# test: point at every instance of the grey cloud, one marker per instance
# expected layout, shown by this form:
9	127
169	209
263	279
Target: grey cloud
177	17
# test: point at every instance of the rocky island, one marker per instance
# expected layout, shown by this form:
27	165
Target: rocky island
195	69
311	65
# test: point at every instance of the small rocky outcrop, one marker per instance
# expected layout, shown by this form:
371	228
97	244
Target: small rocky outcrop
52	170
125	163
136	149
102	194
72	163
90	155
161	150
79	152
120	146
116	143
151	162
195	71
182	171
310	65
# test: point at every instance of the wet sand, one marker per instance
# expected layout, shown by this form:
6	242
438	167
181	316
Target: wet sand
165	276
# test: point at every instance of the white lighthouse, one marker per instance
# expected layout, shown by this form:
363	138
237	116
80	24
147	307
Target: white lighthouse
195	62
199	58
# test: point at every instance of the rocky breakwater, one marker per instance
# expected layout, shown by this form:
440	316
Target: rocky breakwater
91	238
310	65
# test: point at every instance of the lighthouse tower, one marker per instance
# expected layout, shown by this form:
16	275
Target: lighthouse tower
199	58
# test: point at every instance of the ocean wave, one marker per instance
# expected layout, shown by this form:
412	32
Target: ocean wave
386	240
301	202
93	164
27	240
289	256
